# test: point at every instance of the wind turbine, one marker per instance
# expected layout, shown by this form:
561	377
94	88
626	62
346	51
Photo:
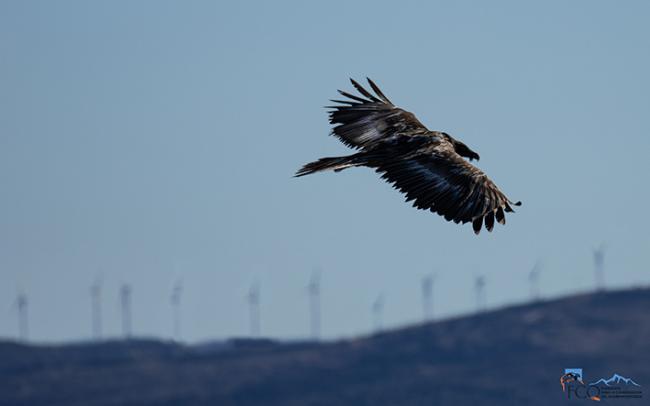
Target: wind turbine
479	290
314	304
254	307
125	304
23	322
533	279
96	308
378	312
177	291
599	267
427	297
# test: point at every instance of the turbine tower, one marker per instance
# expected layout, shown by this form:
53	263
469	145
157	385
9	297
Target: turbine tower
254	307
427	297
96	309
125	304
314	304
177	291
378	312
23	326
479	289
533	279
599	267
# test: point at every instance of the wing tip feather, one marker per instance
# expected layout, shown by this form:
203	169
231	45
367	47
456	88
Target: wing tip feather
476	224
489	221
501	217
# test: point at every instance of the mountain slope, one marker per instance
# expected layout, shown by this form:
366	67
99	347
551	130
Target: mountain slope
511	356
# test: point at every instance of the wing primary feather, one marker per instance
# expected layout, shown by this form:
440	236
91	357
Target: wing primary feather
343	102
489	221
378	91
364	91
501	218
476	224
353	97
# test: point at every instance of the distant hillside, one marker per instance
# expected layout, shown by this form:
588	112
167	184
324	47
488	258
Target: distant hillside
512	356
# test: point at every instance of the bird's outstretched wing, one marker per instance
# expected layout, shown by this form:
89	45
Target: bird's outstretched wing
440	180
361	122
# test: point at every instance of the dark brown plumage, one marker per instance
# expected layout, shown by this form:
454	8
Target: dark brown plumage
427	166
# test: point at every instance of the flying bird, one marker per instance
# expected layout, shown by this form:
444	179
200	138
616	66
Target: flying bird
428	166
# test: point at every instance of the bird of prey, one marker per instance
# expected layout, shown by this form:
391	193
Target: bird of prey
428	166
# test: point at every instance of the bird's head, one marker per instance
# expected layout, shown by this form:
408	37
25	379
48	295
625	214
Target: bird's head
462	149
469	154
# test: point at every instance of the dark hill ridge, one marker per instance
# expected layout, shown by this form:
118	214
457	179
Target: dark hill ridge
511	356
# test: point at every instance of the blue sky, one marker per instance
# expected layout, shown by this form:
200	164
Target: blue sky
147	142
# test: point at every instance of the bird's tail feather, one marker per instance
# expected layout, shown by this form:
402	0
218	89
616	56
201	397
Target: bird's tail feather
336	164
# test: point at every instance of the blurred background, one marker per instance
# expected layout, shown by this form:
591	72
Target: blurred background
147	151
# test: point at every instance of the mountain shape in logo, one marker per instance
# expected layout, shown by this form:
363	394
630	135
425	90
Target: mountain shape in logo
615	379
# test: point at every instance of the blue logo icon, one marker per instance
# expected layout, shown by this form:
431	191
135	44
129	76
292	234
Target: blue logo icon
577	372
